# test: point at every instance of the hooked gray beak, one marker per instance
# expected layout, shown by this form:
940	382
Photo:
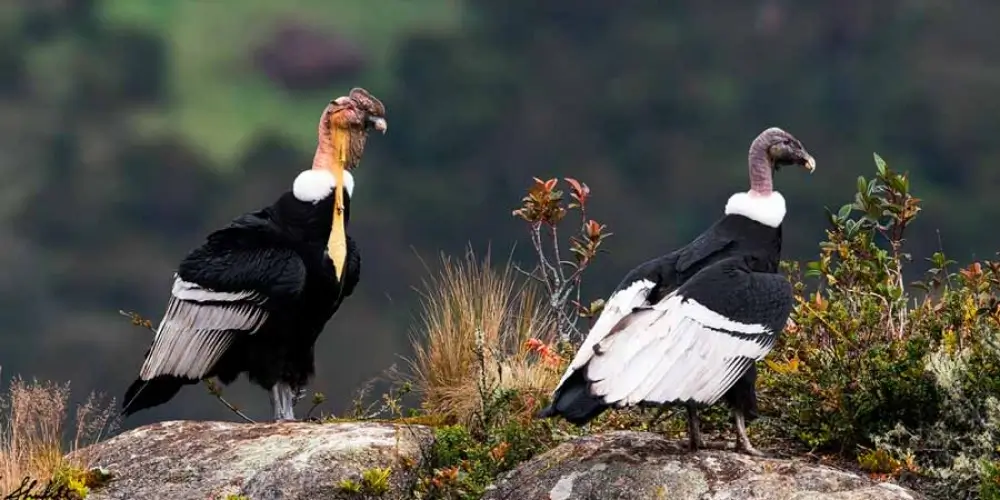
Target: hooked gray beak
379	123
810	163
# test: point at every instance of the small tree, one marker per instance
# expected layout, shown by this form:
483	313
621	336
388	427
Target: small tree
543	209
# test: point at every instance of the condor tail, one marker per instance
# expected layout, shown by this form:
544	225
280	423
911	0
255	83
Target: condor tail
573	402
143	394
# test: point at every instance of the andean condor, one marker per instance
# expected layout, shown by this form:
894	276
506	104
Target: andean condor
256	294
687	327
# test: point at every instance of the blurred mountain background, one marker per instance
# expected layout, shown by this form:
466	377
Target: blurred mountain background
131	128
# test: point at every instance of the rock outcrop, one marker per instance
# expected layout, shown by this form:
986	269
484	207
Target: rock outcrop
298	460
287	461
642	466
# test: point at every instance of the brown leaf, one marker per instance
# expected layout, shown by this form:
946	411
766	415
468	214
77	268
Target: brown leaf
578	191
574	184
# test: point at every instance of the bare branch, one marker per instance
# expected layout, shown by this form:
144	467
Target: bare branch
556	272
541	207
543	264
216	391
526	274
558	254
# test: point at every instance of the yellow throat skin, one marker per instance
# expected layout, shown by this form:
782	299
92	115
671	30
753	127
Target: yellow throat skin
337	244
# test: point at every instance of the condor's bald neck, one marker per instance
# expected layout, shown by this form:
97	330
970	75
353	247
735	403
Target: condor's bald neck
761	171
324	158
327	148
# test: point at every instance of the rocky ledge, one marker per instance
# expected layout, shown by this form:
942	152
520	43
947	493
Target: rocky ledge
628	465
287	461
293	461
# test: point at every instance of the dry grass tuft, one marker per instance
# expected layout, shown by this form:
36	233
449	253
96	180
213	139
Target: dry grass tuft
465	305
36	432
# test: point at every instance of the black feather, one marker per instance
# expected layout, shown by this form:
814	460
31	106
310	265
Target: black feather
278	252
755	247
144	394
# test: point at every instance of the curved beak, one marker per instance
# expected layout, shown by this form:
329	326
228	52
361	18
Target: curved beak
379	124
810	163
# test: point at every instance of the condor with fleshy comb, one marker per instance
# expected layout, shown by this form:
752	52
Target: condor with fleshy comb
254	297
687	328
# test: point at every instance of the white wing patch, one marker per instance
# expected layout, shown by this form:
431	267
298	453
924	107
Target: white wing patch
676	350
185	290
619	305
193	334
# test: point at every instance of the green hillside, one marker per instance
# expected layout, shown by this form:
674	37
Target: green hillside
219	100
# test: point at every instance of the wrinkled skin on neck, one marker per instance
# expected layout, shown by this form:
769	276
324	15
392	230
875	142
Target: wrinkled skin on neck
771	150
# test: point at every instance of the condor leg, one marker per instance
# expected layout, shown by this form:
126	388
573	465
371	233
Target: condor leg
742	440
694	429
282	402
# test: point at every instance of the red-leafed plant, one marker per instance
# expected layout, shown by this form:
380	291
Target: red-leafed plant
543	208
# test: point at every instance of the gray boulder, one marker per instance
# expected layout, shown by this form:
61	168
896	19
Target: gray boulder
268	461
628	465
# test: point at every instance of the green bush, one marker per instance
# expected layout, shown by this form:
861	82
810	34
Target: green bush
902	378
851	362
464	462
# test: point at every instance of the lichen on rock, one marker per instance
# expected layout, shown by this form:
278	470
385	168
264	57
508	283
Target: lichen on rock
629	465
288	460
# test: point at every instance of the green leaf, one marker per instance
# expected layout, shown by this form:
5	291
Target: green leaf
879	164
896	183
833	219
860	201
844	211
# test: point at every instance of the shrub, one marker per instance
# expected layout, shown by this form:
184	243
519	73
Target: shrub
463	464
959	448
484	360
492	345
902	378
543	209
851	363
34	433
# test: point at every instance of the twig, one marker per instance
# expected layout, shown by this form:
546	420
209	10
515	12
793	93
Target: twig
214	389
555	250
536	241
318	399
543	207
530	275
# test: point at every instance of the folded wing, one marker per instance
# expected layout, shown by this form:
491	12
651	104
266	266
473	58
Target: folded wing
694	344
222	290
619	305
